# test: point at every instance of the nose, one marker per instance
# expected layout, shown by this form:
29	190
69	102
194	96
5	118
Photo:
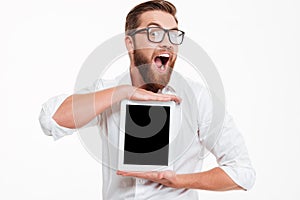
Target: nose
166	44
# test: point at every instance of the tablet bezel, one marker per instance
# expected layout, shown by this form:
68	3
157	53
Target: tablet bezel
136	167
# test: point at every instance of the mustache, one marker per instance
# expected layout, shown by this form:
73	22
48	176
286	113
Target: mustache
139	55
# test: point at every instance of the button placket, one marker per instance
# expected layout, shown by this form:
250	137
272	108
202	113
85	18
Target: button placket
139	188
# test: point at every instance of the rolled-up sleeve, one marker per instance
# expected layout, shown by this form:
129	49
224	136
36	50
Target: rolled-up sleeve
48	124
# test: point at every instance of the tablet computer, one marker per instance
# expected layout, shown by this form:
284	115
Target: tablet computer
146	129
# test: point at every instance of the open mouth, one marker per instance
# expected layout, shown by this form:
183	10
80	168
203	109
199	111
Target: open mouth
161	61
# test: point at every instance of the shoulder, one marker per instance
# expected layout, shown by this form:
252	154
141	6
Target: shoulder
196	87
103	83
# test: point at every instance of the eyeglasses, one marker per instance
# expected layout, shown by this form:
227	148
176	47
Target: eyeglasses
157	34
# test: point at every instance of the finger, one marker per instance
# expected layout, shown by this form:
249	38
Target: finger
162	98
156	96
176	99
121	172
145	175
135	174
150	96
125	173
169	97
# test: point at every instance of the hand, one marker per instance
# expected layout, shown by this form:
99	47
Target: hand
134	93
167	178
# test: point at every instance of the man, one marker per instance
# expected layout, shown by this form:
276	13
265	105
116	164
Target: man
152	40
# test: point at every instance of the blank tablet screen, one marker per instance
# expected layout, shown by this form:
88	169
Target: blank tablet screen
147	135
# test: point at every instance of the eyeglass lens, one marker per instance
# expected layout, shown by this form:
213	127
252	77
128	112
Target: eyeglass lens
156	34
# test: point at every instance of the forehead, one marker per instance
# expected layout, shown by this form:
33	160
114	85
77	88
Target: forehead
160	18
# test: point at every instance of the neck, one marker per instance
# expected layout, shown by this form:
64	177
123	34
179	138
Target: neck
138	81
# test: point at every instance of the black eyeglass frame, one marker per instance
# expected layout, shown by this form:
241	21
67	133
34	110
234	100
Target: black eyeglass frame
165	30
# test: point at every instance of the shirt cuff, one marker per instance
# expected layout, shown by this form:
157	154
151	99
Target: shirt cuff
242	176
48	124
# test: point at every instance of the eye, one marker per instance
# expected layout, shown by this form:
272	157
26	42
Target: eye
175	34
154	33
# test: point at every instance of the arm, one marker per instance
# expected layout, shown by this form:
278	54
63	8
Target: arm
234	171
215	179
78	109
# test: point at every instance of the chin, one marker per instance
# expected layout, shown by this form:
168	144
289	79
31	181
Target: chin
156	71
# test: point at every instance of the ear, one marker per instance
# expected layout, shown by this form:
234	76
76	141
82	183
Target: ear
129	44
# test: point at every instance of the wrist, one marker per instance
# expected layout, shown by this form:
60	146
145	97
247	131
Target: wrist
124	91
180	181
185	180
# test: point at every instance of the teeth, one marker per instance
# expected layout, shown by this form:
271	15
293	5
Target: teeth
164	55
162	67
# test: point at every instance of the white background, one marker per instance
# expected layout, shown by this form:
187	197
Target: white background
254	45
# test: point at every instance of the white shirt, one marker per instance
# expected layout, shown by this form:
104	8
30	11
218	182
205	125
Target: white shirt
190	145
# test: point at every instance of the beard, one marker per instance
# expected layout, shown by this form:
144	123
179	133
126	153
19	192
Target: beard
153	80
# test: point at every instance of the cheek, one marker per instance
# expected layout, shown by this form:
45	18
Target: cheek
175	49
146	47
174	58
141	42
144	56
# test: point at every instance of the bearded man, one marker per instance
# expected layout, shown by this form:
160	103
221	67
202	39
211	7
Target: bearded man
152	40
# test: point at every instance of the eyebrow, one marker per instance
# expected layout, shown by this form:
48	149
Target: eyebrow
156	24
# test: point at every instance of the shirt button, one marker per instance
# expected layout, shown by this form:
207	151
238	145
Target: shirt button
141	181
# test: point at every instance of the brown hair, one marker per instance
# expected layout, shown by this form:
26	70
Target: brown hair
132	19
